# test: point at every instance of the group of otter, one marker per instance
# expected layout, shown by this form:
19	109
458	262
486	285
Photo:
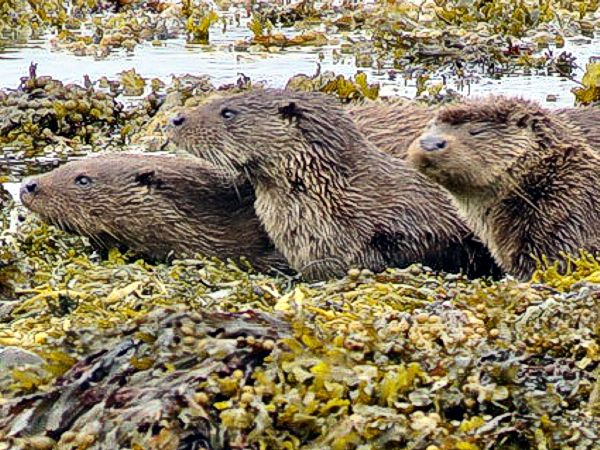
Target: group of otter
294	181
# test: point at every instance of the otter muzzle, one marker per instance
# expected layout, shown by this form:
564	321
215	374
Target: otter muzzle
432	143
28	190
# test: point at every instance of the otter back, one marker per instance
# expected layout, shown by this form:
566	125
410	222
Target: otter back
393	125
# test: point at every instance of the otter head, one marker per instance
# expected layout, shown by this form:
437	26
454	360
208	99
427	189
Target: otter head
91	197
263	131
472	146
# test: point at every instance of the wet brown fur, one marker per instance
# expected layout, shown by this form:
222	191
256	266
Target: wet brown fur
391	125
525	180
586	121
157	206
328	199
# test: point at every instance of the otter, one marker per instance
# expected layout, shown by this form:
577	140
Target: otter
521	176
158	206
328	199
391	125
585	120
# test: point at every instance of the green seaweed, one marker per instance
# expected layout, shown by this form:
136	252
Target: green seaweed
589	92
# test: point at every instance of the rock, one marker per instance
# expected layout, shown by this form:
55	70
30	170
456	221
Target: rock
13	357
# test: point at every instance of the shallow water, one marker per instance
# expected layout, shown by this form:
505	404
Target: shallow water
13	190
224	65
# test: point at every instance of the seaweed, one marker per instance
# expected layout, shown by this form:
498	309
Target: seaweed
203	351
198	20
346	90
589	91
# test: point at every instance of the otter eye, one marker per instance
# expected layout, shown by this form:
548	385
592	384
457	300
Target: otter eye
476	131
228	114
83	181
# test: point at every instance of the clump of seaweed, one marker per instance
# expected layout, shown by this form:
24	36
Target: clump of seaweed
453	38
33	17
201	351
303	11
30	16
346	90
589	91
198	20
123	30
263	35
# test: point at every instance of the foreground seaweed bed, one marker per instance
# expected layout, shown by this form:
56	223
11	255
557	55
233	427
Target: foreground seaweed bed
113	353
117	353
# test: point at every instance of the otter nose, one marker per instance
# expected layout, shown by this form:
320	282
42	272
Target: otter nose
177	121
31	187
432	143
28	188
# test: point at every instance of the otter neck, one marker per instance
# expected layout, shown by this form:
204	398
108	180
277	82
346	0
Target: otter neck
310	205
314	169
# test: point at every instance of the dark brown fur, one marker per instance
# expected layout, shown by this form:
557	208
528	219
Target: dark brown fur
328	199
523	178
157	206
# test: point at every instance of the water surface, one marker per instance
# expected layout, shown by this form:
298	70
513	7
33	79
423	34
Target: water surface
273	67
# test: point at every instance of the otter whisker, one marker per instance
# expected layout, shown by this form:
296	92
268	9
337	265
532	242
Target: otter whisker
247	174
235	188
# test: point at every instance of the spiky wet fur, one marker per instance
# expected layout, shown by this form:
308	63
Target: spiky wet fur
586	122
328	199
391	125
157	206
529	185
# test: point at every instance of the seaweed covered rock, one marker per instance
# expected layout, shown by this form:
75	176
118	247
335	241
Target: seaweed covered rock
123	30
159	386
136	355
44	111
457	39
113	23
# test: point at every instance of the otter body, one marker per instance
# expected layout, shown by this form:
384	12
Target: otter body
157	206
328	199
586	122
391	125
522	177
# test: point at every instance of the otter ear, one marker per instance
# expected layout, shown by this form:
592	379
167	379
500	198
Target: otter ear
526	120
290	110
523	120
145	178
